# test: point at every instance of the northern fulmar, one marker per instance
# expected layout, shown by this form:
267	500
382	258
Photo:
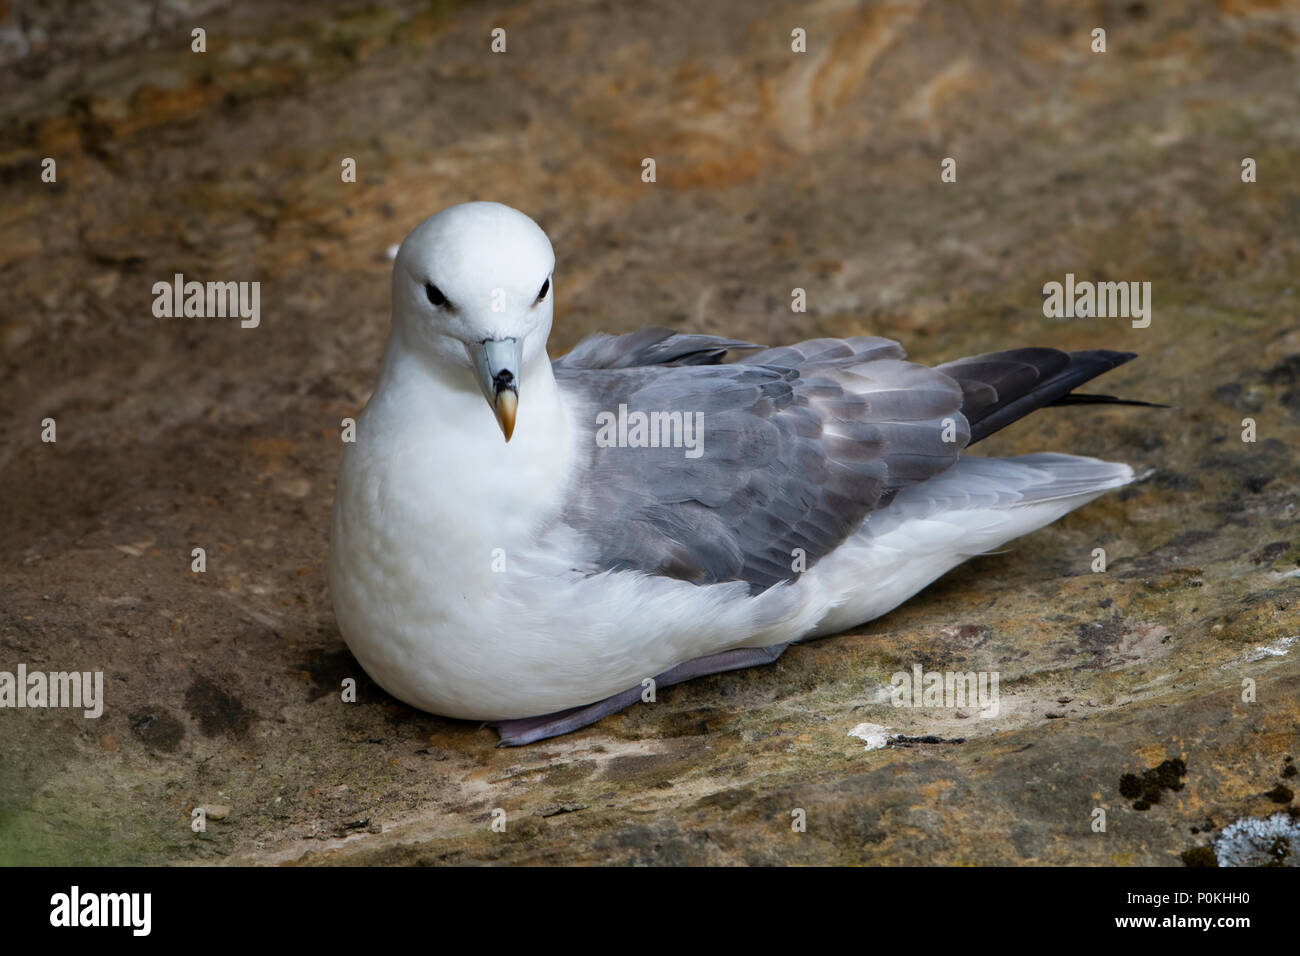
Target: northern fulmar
525	541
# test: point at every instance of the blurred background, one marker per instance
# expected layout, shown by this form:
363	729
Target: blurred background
775	170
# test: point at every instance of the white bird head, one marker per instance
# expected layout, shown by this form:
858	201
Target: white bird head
472	290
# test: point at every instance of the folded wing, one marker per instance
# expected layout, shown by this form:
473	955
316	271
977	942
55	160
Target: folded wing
798	445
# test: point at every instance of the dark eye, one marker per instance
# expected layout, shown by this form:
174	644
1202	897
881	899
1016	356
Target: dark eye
546	287
435	294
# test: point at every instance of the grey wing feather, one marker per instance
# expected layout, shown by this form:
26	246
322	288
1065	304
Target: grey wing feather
800	444
648	346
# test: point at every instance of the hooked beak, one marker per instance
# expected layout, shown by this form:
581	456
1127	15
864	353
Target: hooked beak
496	364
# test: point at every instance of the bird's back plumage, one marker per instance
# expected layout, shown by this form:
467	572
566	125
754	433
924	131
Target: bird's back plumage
804	442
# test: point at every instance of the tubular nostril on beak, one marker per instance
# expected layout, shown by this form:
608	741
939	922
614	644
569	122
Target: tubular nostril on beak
497	363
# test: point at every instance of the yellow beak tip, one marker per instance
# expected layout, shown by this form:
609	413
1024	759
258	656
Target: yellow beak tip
507	404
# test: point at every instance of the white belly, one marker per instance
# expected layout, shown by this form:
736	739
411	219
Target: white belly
453	600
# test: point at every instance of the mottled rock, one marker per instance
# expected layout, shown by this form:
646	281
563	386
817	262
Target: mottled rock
776	170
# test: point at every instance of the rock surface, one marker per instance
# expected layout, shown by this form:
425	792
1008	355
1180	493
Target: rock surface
775	170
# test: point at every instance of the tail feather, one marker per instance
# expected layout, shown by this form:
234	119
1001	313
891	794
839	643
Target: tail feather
1002	484
1066	476
975	507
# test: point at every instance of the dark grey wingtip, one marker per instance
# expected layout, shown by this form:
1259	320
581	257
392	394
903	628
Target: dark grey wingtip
1002	387
1084	398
